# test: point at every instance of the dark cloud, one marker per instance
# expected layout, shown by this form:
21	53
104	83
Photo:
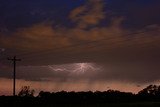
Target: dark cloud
130	72
24	13
122	54
138	13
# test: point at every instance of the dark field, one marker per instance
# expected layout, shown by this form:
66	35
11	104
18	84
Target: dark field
73	102
139	104
136	104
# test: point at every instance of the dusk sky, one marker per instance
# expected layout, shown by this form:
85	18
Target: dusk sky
80	45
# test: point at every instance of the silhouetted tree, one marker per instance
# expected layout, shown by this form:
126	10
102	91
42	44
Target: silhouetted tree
26	92
150	90
43	94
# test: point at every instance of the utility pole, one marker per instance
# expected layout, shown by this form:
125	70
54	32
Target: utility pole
14	60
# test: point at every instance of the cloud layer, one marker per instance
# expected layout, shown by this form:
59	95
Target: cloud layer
50	52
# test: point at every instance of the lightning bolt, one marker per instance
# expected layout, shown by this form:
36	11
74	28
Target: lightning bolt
78	68
83	67
56	69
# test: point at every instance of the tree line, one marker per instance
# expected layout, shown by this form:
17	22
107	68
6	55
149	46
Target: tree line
26	96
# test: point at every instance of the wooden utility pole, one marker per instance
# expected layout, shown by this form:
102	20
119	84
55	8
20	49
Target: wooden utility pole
14	60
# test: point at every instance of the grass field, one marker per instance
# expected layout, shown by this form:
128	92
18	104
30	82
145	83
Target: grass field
136	104
139	104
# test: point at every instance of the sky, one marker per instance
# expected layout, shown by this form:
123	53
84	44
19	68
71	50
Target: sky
80	45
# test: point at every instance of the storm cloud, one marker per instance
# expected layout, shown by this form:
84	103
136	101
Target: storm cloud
96	37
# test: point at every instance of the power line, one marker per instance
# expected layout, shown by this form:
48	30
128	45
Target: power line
54	50
76	45
119	44
72	54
